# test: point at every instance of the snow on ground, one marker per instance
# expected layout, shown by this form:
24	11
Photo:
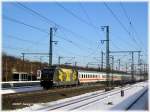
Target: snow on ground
97	103
142	103
20	89
118	102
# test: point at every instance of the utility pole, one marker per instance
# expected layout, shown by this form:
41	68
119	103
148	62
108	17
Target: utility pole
23	54
112	63
139	63
40	62
102	60
51	47
132	66
112	70
107	55
31	70
75	63
6	70
118	64
132	63
126	67
59	58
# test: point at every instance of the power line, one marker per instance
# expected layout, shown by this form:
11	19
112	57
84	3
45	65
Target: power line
39	29
129	20
24	40
90	21
20	22
14	48
50	21
123	40
74	43
115	45
76	16
121	24
115	16
29	9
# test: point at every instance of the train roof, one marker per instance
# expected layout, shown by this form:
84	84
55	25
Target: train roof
82	68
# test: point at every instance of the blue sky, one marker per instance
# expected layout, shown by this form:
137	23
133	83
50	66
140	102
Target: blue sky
85	44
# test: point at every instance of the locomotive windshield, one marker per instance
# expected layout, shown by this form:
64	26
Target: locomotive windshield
48	73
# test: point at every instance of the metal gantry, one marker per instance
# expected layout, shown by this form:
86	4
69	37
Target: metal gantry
107	54
132	57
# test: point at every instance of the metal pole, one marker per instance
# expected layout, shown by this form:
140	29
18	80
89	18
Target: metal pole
31	70
40	62
6	70
50	47
139	64
75	63
119	64
23	61
132	66
59	58
107	56
102	60
112	70
126	67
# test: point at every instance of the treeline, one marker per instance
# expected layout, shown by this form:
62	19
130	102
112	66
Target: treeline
12	64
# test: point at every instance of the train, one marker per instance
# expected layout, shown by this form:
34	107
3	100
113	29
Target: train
70	76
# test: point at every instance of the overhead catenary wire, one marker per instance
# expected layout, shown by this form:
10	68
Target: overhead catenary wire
77	17
50	21
118	20
37	28
88	17
115	16
14	48
24	40
129	20
131	24
20	22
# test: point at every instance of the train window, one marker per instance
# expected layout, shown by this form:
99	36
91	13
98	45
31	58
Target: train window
22	76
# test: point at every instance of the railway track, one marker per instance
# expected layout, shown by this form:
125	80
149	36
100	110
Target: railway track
78	103
38	88
83	101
